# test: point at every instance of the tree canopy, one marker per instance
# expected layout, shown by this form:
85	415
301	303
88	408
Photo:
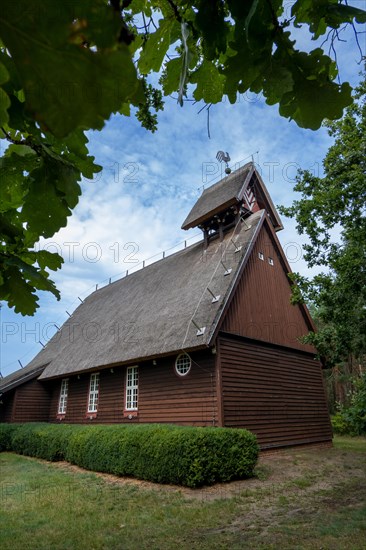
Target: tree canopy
332	213
65	67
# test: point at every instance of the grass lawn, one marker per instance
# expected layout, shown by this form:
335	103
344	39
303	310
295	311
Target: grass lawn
300	499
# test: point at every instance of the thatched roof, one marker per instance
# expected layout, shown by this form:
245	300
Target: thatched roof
149	313
219	196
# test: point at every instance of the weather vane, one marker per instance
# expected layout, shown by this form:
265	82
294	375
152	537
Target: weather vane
224	157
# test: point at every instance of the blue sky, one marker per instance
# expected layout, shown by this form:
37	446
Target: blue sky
135	207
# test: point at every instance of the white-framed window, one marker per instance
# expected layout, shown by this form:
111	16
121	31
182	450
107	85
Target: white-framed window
261	256
270	261
183	364
93	392
132	387
62	404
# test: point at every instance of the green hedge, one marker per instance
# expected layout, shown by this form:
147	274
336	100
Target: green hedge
163	453
6	433
47	441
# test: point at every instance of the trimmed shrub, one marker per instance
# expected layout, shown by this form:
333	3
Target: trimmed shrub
6	433
45	441
187	456
166	454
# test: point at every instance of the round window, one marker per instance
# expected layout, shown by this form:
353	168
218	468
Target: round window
183	364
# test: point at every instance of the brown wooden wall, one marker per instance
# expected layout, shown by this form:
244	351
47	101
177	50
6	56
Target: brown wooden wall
29	402
276	393
6	406
163	395
261	306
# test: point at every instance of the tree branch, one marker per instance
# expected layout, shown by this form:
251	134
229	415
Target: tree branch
176	12
26	141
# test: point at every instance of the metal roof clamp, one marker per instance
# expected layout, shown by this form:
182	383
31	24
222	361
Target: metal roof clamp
214	297
227	270
200	330
237	248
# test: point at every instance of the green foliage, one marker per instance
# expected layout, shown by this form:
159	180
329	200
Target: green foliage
339	424
39	188
63	70
331	212
166	454
73	86
6	435
153	100
161	453
45	441
66	67
351	419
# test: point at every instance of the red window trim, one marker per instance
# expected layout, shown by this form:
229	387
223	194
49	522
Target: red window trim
61	415
130	414
90	415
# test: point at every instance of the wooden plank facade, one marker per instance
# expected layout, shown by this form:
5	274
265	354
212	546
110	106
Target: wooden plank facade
163	396
275	392
29	402
260	307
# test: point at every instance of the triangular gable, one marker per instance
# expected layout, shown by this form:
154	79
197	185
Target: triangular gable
259	305
263	199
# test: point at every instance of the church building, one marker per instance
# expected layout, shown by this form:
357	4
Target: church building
204	337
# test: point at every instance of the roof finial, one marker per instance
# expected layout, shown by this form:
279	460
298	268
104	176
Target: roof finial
224	157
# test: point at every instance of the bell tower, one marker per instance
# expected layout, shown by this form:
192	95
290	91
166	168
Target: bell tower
230	201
